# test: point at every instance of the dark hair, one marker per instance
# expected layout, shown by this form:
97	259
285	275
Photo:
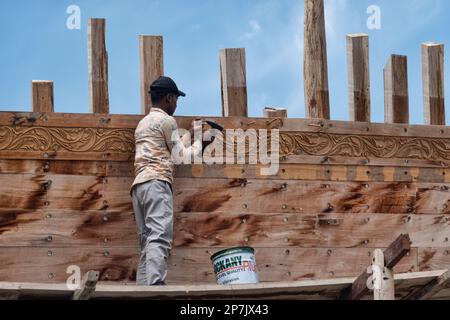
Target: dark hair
157	96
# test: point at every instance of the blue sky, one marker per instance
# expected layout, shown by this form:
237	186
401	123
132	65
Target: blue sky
36	44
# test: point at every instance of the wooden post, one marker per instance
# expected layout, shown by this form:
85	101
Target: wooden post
396	98
98	67
152	67
384	288
358	77
315	69
392	255
275	113
433	83
42	96
87	286
234	83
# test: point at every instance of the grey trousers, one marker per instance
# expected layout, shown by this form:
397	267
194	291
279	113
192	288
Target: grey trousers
153	209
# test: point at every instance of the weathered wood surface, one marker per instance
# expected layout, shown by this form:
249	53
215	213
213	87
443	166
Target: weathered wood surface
326	289
152	67
74	120
98	66
396	95
233	77
62	228
358	77
433	83
185	265
315	67
246	196
42	96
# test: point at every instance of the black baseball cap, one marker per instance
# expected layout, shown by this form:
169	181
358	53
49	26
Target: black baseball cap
166	85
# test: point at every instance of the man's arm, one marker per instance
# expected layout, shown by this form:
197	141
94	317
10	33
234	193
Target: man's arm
169	127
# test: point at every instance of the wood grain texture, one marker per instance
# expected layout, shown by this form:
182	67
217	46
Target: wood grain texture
396	94
72	120
65	228
233	82
151	65
433	83
315	68
98	66
270	112
42	96
185	266
358	77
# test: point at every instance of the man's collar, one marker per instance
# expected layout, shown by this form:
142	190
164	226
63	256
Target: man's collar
160	110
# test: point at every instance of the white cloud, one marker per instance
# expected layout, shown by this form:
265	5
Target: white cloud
255	29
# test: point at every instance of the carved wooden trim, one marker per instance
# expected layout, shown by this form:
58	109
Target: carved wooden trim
66	139
79	140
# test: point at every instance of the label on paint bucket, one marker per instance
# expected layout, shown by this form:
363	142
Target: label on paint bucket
235	266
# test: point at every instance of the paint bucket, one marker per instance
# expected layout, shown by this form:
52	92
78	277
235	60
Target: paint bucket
235	266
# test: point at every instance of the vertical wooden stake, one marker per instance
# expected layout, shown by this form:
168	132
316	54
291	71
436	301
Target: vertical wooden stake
433	83
358	77
42	96
152	67
315	69
233	82
98	67
87	286
396	99
384	287
275	113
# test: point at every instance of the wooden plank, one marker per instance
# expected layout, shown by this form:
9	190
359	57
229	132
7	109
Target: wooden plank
302	290
396	97
20	290
385	278
152	67
299	290
50	265
68	120
65	228
392	256
358	77
98	66
79	168
87	286
42	96
317	172
431	289
227	195
322	289
270	112
432	258
185	265
433	83
225	229
233	82
315	69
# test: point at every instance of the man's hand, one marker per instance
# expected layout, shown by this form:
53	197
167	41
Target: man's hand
196	125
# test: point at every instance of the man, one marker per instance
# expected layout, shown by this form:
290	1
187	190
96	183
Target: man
152	188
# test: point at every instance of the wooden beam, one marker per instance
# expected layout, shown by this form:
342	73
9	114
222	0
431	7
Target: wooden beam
42	96
433	287
392	255
152	67
315	69
383	278
98	67
358	77
433	83
233	82
275	113
87	286
396	98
